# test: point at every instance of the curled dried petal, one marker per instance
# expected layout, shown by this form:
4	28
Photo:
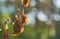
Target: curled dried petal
6	27
25	2
24	19
22	30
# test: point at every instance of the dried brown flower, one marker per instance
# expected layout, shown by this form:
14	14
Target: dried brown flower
5	34
16	27
18	24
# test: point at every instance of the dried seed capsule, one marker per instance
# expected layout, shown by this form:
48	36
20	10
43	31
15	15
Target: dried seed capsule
25	3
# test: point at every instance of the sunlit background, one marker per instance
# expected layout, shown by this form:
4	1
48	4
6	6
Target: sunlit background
43	18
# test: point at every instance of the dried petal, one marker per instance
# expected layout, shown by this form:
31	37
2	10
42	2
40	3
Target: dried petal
25	2
24	19
6	27
22	30
5	33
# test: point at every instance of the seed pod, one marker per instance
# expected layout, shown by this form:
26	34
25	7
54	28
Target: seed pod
25	3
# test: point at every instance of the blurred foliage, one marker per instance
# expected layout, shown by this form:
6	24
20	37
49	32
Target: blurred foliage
39	30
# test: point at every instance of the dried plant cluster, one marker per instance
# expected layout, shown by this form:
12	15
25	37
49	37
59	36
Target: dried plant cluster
18	24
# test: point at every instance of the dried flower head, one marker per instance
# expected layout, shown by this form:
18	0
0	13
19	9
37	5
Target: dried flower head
5	32
18	24
5	35
6	25
16	27
25	3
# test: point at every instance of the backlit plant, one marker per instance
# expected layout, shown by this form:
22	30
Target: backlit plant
19	23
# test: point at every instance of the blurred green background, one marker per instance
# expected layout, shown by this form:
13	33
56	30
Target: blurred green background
43	18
